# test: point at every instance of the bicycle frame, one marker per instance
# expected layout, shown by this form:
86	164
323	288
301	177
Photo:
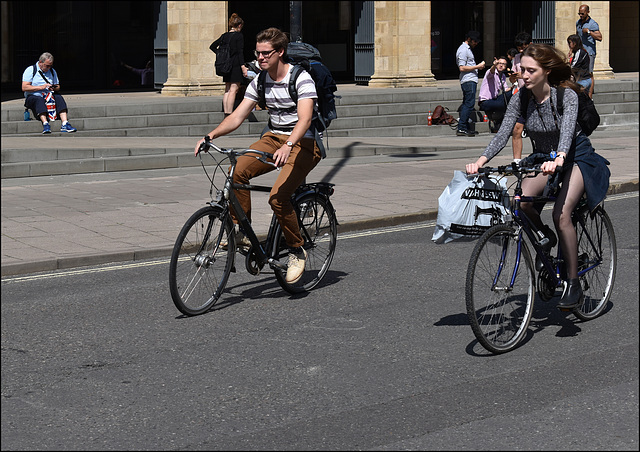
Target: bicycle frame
551	265
225	197
526	225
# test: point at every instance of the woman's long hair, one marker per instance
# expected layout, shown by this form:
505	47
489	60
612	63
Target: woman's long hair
551	59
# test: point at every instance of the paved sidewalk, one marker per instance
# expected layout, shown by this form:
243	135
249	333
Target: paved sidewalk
61	222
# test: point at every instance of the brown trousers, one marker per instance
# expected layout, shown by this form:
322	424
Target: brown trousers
303	158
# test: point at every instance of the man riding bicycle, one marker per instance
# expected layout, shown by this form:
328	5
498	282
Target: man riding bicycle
289	139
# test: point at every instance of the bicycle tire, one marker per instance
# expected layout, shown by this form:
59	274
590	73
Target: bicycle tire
597	282
498	313
200	267
319	228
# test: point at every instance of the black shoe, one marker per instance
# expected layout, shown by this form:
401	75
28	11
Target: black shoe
465	133
548	233
572	297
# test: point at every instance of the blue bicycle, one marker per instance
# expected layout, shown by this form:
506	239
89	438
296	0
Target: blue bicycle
501	277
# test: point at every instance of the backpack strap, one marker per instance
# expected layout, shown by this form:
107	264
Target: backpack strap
262	76
293	79
293	92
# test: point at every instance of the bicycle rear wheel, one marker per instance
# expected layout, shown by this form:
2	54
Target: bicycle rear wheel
319	228
500	289
200	267
597	261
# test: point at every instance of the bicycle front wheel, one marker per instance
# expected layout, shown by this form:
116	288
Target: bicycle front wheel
500	289
201	262
319	228
597	260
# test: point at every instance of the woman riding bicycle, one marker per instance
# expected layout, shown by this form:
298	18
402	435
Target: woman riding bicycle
544	69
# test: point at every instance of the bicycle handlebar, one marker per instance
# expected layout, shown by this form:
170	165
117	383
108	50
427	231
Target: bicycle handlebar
263	156
514	169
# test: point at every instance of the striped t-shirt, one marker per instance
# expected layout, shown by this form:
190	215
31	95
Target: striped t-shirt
283	111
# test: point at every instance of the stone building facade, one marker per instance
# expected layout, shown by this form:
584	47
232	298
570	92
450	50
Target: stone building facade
402	42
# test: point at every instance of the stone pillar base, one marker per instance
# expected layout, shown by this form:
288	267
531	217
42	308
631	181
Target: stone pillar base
187	88
603	74
401	81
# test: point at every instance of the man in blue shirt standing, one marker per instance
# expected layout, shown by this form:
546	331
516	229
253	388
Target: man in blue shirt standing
39	83
468	80
589	31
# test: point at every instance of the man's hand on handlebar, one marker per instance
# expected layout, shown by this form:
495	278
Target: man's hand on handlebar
201	145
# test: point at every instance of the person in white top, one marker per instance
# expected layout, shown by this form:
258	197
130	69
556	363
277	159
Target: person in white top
293	145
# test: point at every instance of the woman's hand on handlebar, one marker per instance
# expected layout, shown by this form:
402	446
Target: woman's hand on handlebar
551	166
472	168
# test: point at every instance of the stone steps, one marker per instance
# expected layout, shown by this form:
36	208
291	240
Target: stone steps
365	113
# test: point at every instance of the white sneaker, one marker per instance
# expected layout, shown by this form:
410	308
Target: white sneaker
295	268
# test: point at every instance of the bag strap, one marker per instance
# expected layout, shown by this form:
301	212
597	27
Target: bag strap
43	77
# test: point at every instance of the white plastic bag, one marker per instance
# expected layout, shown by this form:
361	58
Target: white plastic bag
470	205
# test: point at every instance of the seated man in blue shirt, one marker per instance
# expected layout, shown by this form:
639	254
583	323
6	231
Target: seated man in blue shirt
38	81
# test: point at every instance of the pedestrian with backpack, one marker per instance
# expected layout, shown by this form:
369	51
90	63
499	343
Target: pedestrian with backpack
289	139
555	132
229	50
41	88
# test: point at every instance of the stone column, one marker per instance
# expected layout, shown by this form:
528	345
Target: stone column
489	34
191	28
402	44
566	17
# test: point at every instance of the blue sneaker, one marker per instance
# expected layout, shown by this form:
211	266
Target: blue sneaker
68	128
46	128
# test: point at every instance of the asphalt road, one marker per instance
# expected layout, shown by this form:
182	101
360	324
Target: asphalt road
380	357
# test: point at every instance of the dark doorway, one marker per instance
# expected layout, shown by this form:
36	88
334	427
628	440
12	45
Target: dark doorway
325	25
88	39
449	23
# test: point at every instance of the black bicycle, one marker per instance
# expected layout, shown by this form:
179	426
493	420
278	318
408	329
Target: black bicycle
204	253
501	278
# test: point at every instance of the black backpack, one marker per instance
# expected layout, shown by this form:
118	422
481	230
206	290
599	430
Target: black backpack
307	57
588	116
222	50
